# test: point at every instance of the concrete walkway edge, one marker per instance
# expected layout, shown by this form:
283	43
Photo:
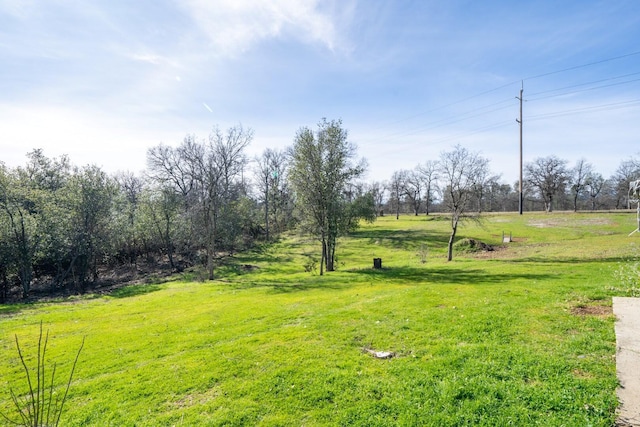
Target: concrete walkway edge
627	312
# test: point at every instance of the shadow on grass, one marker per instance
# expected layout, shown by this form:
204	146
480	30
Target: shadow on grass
9	309
135	290
569	260
460	276
402	239
315	282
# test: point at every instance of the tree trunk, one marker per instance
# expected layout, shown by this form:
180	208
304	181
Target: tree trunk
25	279
168	242
454	229
322	258
330	253
4	284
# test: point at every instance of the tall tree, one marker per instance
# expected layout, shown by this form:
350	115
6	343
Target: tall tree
412	189
91	193
271	182
377	190
322	167
627	171
205	174
549	176
594	183
128	202
429	174
459	171
500	196
578	178
396	191
19	215
160	211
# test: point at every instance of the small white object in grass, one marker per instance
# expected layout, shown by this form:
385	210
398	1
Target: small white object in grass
380	354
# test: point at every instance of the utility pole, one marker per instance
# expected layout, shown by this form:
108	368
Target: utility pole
520	195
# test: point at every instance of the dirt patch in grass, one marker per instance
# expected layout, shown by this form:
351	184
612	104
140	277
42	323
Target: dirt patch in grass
579	373
592	310
193	399
558	222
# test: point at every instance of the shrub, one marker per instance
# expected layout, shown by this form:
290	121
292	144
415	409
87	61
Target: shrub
628	276
471	245
38	408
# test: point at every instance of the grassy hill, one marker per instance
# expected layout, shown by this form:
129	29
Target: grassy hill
521	335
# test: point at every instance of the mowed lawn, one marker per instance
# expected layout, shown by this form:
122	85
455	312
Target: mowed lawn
522	335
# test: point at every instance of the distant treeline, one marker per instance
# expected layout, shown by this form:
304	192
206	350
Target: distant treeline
64	228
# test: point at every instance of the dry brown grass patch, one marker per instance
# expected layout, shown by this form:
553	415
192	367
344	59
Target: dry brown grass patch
592	310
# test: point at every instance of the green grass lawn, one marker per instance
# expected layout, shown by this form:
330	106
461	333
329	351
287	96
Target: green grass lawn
522	335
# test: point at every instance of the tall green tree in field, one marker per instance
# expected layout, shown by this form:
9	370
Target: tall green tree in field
29	218
50	178
20	219
322	169
127	215
459	171
90	197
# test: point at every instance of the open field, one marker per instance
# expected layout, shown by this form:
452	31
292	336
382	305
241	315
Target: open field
522	335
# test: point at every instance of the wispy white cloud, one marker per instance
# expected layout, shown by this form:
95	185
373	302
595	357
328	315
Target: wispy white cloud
234	26
18	9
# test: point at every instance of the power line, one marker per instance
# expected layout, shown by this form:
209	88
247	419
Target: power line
480	111
602	107
584	90
583	65
476	112
586	83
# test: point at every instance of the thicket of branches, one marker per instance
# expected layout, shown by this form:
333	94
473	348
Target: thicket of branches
65	228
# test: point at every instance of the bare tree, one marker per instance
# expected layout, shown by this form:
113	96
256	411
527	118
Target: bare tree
547	175
429	174
579	174
412	189
459	170
482	186
594	183
166	166
204	173
396	191
161	210
271	182
629	170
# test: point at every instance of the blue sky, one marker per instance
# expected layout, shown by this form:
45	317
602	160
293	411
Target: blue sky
103	81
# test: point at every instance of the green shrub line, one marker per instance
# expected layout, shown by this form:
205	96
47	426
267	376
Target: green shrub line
521	335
